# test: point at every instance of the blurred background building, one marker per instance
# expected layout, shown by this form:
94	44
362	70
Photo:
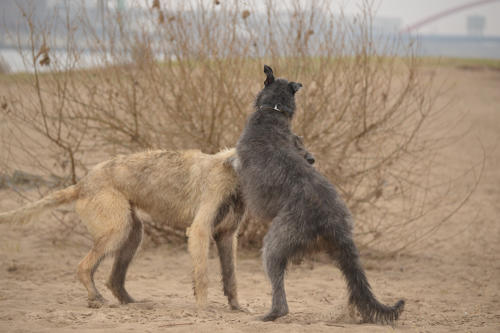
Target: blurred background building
475	25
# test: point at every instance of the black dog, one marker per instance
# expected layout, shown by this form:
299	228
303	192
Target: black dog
279	185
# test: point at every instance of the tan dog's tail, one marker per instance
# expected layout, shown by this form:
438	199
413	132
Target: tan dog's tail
26	213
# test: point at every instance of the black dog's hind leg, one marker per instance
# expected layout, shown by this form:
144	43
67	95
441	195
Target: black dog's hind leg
280	243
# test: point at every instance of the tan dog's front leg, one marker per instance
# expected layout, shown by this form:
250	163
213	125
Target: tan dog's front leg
227	247
198	246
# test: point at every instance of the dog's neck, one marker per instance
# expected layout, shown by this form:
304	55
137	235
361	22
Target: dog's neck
276	108
274	117
272	108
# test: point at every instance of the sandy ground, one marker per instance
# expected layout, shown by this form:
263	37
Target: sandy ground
453	286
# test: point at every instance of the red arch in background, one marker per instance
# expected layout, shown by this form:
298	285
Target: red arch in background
444	13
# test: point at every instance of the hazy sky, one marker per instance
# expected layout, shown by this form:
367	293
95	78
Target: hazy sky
411	11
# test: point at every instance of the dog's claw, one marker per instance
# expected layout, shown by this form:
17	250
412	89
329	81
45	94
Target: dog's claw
238	308
96	303
271	316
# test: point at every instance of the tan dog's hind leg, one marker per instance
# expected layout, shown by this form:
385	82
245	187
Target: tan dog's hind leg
107	216
123	257
86	270
198	245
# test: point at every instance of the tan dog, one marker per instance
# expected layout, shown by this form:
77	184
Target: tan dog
186	188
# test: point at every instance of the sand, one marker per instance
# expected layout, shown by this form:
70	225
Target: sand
453	286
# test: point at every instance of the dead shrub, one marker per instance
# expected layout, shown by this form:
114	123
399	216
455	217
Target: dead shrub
183	75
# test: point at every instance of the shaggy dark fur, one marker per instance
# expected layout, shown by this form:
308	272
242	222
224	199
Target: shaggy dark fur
279	185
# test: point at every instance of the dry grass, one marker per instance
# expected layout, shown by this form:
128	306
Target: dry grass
187	79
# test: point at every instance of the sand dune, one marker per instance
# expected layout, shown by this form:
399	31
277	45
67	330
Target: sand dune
451	286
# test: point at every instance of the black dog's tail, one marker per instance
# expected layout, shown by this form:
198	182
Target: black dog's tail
360	293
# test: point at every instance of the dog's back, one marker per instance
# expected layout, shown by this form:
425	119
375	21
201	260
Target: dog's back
289	182
168	185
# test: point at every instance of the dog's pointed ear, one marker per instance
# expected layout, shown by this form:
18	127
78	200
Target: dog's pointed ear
295	86
270	76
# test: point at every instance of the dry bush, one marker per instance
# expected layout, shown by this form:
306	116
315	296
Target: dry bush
179	76
4	66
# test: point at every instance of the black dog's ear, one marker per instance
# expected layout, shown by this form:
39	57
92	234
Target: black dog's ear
270	76
295	86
